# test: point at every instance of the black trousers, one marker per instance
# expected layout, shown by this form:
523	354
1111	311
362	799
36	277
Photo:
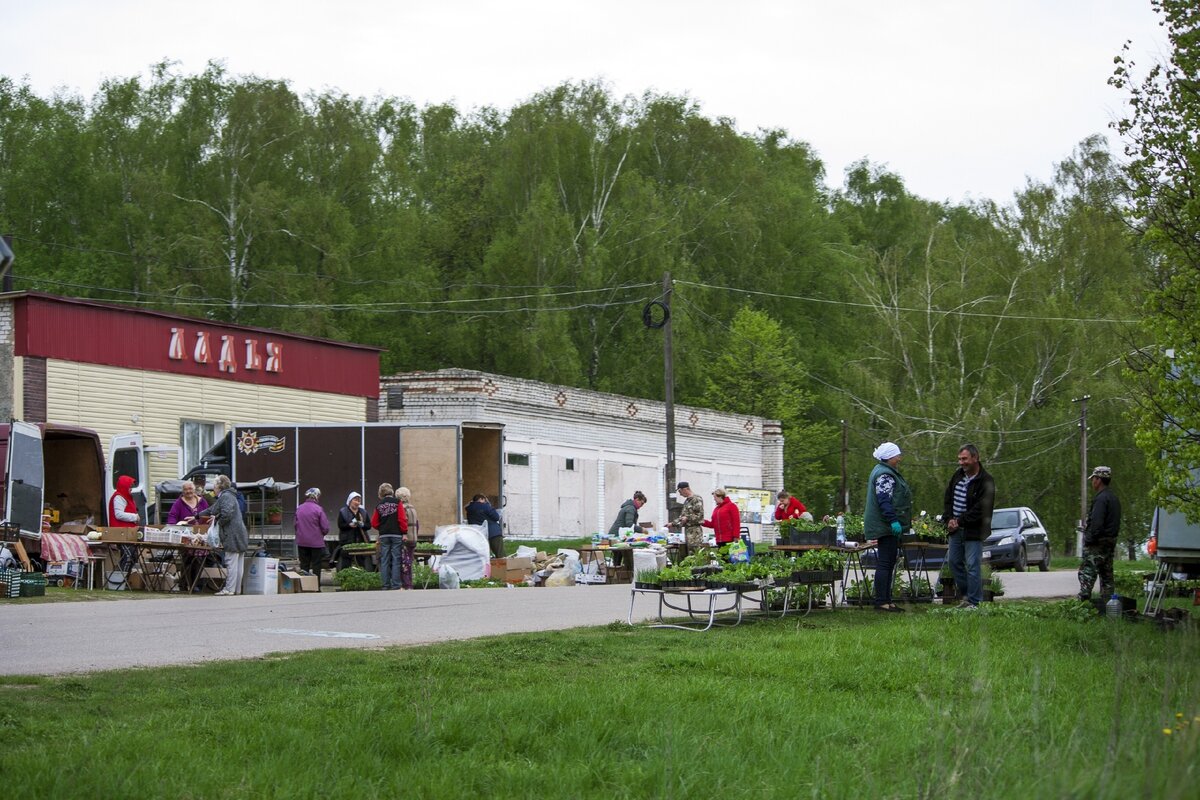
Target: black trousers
312	559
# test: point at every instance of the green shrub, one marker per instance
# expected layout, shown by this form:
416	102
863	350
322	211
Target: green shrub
356	579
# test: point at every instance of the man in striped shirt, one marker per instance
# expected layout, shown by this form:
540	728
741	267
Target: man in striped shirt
967	513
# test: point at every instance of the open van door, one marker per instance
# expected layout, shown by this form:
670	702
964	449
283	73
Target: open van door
26	478
126	457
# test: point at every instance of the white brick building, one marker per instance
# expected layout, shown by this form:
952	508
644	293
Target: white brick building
573	456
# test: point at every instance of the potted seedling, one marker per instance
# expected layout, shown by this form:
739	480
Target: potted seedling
274	515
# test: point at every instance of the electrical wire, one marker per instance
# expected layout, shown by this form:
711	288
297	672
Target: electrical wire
873	306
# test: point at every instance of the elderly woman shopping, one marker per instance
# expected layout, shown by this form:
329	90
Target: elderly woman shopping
235	541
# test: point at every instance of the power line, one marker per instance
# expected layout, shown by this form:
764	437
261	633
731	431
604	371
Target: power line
852	304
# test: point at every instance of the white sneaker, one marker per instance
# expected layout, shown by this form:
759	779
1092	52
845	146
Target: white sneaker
224	593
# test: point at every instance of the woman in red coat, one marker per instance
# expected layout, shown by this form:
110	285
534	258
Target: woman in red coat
789	507
726	519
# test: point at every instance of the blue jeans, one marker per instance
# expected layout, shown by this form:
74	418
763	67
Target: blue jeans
885	568
391	555
965	559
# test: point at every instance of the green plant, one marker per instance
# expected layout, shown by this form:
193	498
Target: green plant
273	510
647	576
428	547
1129	584
853	524
355	579
483	583
861	589
820	560
995	585
424	577
928	529
800	525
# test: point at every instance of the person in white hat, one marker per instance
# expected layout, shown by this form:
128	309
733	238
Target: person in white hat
887	515
352	527
1100	538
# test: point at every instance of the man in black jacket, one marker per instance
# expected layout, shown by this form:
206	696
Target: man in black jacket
967	514
1100	537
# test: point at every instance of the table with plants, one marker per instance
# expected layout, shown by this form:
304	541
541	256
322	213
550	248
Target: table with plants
926	538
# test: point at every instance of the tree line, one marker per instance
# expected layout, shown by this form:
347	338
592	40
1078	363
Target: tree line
527	241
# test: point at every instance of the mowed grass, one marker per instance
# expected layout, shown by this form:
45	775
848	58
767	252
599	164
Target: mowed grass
845	704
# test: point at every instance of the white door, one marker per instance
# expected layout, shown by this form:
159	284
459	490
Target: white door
26	477
126	457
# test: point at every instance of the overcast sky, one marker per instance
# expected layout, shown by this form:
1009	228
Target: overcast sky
961	98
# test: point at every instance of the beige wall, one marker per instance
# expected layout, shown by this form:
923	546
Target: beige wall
109	399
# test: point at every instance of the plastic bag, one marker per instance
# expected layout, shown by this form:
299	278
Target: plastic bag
561	577
447	577
572	565
213	537
738	554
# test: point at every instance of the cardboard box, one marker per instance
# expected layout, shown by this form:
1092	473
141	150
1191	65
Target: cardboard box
118	534
517	570
292	582
262	576
76	527
497	567
289	582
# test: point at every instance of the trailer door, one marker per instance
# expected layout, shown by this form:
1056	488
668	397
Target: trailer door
26	477
125	457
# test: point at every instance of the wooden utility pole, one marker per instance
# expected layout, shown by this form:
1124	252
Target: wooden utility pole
669	391
1083	472
845	485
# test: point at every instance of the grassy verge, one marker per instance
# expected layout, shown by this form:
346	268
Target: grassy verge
1022	701
550	546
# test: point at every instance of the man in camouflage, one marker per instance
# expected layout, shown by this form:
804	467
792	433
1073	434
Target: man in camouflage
690	517
1100	537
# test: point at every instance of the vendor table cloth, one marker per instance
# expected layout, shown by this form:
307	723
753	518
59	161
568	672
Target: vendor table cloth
64	547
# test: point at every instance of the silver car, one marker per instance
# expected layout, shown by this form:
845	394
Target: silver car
1018	538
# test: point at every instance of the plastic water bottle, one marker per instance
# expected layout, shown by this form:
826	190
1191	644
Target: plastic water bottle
1113	608
841	530
595	540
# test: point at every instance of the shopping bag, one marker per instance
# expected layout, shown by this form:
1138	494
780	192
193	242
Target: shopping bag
213	537
738	554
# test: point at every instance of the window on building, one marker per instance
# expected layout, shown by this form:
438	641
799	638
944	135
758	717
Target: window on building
196	437
517	459
570	464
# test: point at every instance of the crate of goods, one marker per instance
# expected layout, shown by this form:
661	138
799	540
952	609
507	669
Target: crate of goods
10	583
33	584
157	536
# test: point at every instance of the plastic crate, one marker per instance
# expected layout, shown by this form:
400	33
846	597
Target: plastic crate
10	580
33	584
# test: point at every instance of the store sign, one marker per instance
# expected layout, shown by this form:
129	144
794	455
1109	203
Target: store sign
201	351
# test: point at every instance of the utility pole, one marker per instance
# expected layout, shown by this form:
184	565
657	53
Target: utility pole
669	391
1083	471
845	486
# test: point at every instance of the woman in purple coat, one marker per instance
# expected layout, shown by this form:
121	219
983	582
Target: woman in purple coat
311	527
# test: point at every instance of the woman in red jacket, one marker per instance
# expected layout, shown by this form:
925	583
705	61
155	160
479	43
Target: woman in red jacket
789	507
726	520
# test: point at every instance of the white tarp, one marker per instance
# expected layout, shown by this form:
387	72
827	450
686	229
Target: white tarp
466	549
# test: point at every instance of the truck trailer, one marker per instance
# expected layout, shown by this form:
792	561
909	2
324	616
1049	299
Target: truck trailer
444	466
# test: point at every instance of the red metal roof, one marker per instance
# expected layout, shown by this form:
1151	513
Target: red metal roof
93	332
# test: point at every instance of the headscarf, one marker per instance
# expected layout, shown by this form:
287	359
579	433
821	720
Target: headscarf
351	496
124	489
887	450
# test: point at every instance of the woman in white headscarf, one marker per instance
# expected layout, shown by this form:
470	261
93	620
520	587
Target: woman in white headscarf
353	525
888	514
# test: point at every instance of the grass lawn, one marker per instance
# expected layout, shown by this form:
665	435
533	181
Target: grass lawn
1026	700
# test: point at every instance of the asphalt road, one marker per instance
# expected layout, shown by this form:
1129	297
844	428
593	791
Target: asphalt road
54	638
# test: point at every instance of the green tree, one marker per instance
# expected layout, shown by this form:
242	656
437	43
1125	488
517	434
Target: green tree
759	371
1160	135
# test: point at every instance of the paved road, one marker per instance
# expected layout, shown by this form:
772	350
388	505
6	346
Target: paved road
57	638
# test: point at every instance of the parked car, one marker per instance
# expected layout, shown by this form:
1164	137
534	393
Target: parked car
1018	539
